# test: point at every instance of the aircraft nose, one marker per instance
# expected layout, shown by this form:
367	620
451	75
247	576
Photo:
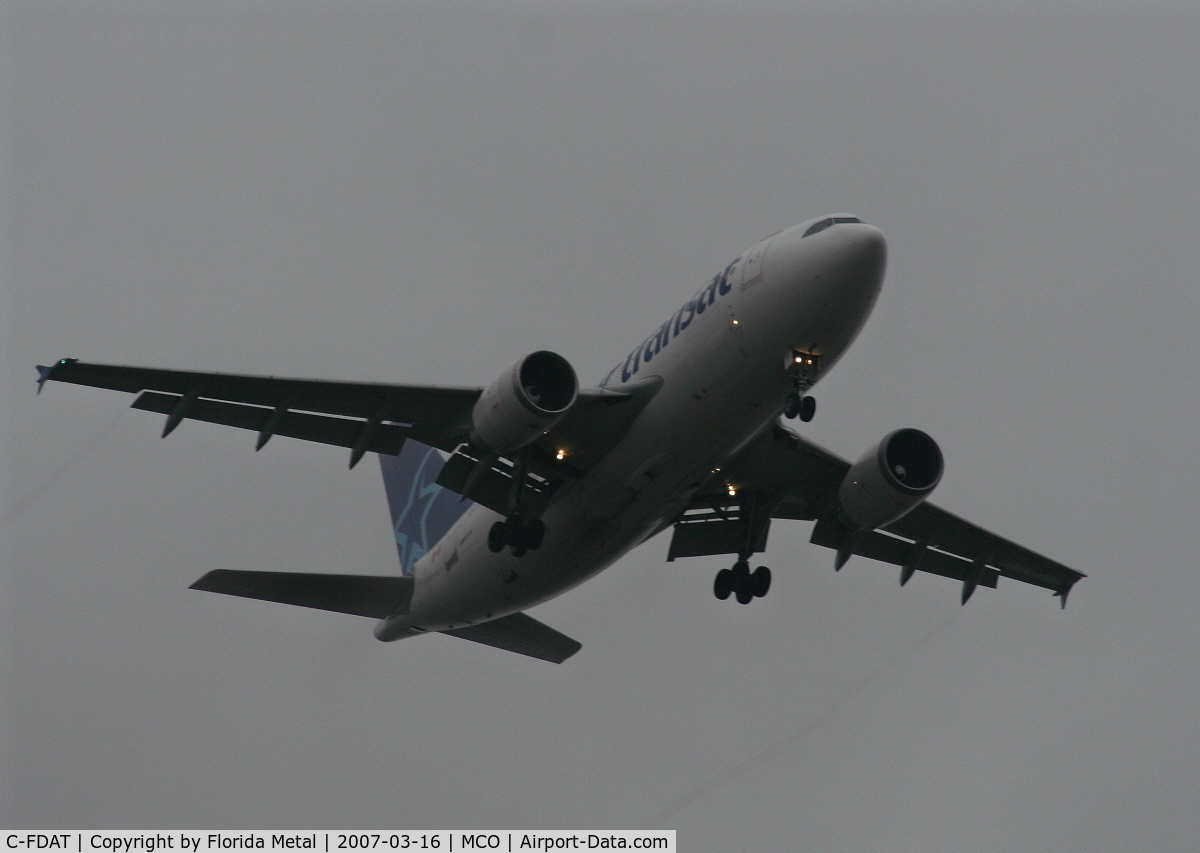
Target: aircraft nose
847	256
858	255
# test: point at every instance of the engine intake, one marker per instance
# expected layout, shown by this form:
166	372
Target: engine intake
890	479
523	402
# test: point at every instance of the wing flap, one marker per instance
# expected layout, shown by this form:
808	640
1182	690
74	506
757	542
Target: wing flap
493	485
343	432
522	634
889	549
439	416
704	531
944	530
359	595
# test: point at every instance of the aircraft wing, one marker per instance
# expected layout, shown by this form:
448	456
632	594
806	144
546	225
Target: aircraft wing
358	415
797	479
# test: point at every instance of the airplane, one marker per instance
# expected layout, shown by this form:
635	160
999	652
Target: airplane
506	496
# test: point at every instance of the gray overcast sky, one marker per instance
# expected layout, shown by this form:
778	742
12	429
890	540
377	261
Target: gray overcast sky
426	192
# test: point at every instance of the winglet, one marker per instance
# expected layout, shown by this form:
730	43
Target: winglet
1066	590
44	372
43	375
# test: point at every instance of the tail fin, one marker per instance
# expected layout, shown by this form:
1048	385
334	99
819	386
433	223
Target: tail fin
422	511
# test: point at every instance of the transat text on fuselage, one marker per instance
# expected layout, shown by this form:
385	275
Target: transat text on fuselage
668	331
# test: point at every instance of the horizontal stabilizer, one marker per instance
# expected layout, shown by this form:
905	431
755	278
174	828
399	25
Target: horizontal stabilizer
360	595
521	634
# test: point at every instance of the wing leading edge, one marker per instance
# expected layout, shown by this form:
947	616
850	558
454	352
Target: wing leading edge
361	416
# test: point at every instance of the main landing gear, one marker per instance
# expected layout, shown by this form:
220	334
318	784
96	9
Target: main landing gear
518	534
742	583
515	532
755	517
795	405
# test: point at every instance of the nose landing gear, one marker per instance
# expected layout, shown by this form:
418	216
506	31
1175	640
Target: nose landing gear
803	368
804	407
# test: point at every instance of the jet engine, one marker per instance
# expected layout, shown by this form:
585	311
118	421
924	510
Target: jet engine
890	479
523	402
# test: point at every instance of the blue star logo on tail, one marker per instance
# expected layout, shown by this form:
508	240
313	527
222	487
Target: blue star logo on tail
422	511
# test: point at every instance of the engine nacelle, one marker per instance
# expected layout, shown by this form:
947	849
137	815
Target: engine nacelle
890	479
523	402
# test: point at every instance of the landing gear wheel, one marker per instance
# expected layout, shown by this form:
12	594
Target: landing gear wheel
723	584
519	550
535	533
760	581
496	537
742	588
514	531
791	406
808	408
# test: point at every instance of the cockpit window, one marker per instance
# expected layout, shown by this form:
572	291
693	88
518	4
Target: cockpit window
817	227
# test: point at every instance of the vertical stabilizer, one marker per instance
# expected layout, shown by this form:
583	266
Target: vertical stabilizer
422	511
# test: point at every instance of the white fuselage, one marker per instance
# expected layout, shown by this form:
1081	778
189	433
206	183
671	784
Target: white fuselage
723	361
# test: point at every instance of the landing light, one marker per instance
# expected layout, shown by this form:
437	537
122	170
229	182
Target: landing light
732	491
560	455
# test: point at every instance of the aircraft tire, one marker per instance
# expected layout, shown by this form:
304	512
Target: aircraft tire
808	408
535	533
760	581
514	531
791	406
723	584
496	537
743	589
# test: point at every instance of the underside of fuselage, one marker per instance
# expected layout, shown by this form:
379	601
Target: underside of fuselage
727	363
